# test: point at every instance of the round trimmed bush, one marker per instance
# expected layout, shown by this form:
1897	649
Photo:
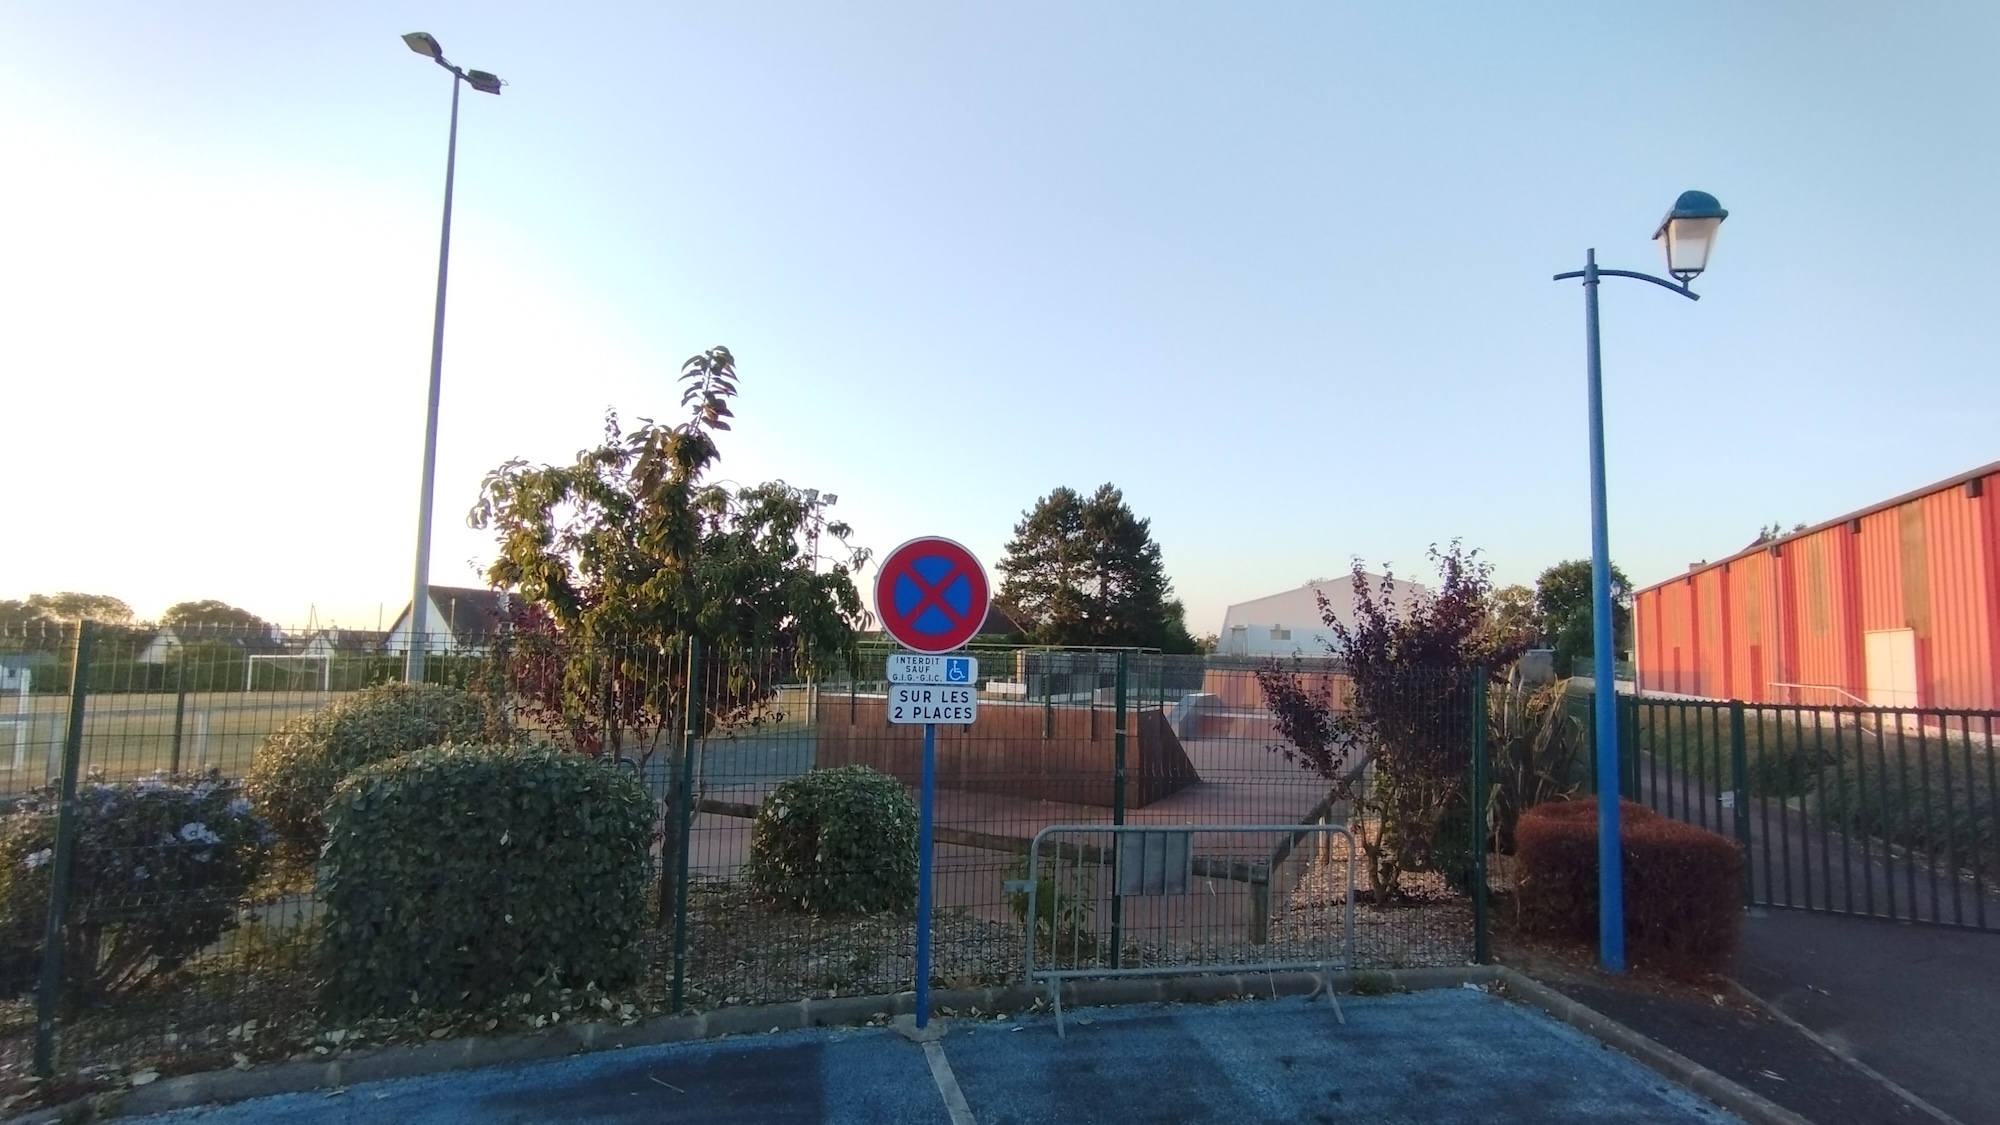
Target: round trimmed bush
298	766
1683	883
159	868
459	876
838	841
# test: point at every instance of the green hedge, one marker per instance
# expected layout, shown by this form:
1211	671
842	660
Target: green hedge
1933	797
1683	884
838	841
458	876
159	870
1932	791
298	766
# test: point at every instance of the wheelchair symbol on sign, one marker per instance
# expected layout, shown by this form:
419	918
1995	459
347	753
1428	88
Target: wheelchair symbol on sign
957	670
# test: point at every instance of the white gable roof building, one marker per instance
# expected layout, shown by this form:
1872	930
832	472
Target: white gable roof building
1289	623
457	619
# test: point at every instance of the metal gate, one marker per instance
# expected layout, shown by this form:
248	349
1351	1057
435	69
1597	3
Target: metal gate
1873	811
1150	900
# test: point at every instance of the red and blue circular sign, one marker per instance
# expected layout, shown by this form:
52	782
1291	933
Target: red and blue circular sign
931	595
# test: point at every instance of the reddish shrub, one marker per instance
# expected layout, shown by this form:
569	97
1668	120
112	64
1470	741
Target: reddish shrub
1682	883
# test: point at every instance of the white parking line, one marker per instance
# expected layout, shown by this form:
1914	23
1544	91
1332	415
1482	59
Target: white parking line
947	1084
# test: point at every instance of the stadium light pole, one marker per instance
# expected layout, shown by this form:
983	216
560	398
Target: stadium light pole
1688	235
422	43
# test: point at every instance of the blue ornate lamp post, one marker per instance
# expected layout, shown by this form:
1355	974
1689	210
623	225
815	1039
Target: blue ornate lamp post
1688	235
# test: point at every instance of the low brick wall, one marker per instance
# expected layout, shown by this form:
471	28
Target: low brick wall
1238	690
1030	750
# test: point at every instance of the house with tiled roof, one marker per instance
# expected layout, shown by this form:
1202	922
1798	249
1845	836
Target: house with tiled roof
457	619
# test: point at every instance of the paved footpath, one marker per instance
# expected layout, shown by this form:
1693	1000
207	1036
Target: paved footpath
1918	1004
1456	1055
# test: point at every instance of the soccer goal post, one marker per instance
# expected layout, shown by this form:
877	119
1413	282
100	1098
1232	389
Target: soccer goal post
23	726
22	720
280	659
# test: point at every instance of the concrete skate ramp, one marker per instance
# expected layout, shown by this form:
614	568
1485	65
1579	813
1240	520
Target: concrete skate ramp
1062	752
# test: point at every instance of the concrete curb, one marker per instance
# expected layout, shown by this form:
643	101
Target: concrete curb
1739	1100
414	1060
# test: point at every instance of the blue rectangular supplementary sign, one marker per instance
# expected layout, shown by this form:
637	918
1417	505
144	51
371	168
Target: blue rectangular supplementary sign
932	703
910	668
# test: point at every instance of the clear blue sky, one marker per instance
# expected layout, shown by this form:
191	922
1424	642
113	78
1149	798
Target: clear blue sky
1280	271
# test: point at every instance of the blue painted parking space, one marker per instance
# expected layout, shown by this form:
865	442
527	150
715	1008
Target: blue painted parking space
1446	1056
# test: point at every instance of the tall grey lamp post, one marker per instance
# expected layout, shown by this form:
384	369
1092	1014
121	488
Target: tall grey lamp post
1688	234
413	669
817	503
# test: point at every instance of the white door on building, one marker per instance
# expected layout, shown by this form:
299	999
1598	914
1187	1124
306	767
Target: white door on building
1891	659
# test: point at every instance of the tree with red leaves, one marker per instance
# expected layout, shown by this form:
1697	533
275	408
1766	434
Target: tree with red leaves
1391	730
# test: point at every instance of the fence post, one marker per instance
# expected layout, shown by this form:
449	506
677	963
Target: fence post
1628	746
180	709
61	859
684	818
1739	766
1118	809
1482	951
1591	739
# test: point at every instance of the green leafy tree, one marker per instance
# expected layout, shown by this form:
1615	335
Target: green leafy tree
210	615
624	555
16	614
42	622
1774	532
1086	571
25	628
1514	613
1562	602
70	605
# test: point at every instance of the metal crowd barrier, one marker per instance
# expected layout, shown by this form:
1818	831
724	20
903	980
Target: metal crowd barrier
1153	900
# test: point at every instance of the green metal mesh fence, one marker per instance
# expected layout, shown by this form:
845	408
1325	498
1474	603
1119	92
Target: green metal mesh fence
163	840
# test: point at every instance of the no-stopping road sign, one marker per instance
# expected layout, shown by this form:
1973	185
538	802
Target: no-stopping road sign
931	595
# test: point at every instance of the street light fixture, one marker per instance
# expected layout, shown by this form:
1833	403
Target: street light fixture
1688	233
424	44
816	505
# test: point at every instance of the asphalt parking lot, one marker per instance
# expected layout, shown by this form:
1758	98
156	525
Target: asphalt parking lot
1457	1055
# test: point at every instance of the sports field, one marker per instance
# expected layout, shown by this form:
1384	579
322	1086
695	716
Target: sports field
133	734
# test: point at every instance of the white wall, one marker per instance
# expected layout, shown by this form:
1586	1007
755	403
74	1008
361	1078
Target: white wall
437	631
1289	623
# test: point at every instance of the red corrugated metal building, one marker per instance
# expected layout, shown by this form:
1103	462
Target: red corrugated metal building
1895	605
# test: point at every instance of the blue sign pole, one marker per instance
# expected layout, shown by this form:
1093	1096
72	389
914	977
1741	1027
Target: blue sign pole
924	810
